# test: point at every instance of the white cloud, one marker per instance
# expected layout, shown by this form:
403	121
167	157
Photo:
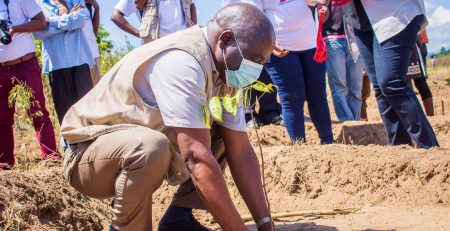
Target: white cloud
439	26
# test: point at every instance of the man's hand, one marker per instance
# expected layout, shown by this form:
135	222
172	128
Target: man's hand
140	4
321	8
279	51
62	7
76	8
11	31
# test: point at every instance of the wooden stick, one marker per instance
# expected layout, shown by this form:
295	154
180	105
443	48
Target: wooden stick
307	213
442	107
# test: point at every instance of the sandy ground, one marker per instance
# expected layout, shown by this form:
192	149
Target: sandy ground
391	188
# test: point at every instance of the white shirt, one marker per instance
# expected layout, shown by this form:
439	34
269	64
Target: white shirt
170	13
20	12
390	17
175	83
292	20
88	31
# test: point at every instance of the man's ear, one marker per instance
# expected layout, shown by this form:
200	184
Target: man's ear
225	38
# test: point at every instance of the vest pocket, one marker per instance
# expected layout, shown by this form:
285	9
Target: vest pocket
149	27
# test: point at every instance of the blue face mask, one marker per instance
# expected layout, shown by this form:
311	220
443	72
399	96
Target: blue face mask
247	73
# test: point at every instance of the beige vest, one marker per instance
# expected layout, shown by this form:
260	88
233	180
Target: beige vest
114	104
150	22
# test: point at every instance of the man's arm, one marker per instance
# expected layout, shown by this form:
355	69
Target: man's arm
244	167
119	19
193	13
37	23
72	21
195	148
96	19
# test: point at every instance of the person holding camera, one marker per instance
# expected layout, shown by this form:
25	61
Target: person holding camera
66	55
19	65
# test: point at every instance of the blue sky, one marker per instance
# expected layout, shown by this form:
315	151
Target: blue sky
438	13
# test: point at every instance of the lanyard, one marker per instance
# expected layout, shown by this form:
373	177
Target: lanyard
7	9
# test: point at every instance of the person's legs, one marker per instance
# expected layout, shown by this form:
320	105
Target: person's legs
337	79
354	83
82	81
30	73
287	74
6	118
316	95
269	108
394	129
128	165
391	62
365	93
426	95
62	91
96	72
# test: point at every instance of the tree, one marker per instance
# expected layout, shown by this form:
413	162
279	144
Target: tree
105	45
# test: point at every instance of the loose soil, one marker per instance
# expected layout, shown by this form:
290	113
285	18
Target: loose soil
392	188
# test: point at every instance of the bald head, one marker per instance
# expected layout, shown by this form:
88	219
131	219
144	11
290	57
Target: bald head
246	21
240	26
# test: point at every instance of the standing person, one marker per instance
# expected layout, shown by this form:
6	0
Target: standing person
128	134
292	69
66	55
344	74
158	17
19	64
386	38
417	73
89	30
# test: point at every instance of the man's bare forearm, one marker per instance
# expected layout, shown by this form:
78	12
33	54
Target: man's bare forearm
119	19
208	178
193	13
244	167
37	23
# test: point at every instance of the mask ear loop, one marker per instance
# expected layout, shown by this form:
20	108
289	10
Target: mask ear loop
223	56
239	47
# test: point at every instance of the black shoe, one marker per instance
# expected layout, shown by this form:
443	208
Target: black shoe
189	223
5	166
252	124
277	120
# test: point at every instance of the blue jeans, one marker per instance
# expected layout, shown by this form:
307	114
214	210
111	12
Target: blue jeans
345	80
299	78
387	64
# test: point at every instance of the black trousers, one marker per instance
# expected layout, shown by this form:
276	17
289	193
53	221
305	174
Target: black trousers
268	105
68	86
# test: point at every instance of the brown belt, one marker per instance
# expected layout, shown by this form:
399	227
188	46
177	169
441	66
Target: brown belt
19	60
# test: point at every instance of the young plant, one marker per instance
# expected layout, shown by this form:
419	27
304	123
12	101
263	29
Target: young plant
21	96
230	104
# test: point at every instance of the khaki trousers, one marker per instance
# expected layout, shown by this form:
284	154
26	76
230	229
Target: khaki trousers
96	71
130	165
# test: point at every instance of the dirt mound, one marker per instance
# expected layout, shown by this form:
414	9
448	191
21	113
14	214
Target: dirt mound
349	132
42	200
380	180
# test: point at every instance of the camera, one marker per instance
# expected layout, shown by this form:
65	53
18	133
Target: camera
5	37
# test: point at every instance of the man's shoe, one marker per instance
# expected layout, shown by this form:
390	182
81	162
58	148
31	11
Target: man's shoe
5	166
252	124
189	223
277	120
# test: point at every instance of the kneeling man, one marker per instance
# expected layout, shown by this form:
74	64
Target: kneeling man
146	121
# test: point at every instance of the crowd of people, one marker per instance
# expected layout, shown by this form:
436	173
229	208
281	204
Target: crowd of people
147	119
